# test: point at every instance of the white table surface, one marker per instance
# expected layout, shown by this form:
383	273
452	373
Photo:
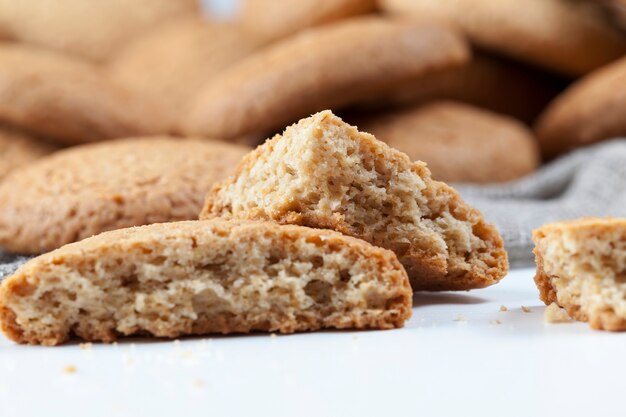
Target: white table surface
437	365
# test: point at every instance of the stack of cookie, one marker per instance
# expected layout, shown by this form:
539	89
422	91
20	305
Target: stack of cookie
123	113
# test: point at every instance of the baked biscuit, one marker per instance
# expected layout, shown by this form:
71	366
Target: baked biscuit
324	173
90	28
273	19
326	67
68	100
560	35
17	149
198	277
591	110
581	265
459	142
489	81
81	191
170	64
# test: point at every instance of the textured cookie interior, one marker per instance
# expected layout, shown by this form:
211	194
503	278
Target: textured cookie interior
204	282
324	173
582	266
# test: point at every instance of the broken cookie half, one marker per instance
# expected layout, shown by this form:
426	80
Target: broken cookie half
198	277
324	173
581	266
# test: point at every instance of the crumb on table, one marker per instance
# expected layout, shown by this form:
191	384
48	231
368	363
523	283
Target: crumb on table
70	369
504	308
556	314
525	309
85	346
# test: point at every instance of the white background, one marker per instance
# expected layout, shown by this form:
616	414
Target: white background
435	366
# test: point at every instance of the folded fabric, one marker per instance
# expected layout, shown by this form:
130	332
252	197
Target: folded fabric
588	182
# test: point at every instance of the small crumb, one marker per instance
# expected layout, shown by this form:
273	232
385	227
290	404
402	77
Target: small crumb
525	309
460	317
273	335
85	346
504	308
495	322
115	343
555	314
70	369
199	383
176	342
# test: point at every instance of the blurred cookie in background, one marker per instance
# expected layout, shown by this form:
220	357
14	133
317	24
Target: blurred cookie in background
67	99
274	19
591	110
495	83
326	67
170	64
84	190
93	29
459	142
17	149
564	36
616	10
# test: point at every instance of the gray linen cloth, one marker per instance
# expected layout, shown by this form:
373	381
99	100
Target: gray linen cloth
588	182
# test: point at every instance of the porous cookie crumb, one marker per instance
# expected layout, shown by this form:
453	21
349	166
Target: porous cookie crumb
198	277
555	314
85	346
581	266
503	308
525	309
495	322
70	369
324	173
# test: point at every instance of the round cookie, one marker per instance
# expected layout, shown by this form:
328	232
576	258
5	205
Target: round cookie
90	28
459	142
565	36
489	81
273	19
82	191
591	110
170	64
17	149
326	67
67	99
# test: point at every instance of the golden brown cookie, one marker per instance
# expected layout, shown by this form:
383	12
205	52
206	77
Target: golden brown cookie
324	173
85	190
565	36
18	149
459	142
591	110
216	276
489	81
93	29
273	19
170	64
581	265
68	100
327	67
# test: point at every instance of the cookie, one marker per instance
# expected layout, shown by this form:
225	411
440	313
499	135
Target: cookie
459	142
274	19
68	100
564	36
326	67
92	29
615	9
324	173
590	110
18	149
493	82
199	277
170	64
81	191
581	266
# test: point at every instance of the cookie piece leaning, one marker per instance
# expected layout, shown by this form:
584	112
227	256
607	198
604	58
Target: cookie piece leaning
590	110
85	190
581	265
197	277
69	100
459	142
326	67
324	173
18	149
